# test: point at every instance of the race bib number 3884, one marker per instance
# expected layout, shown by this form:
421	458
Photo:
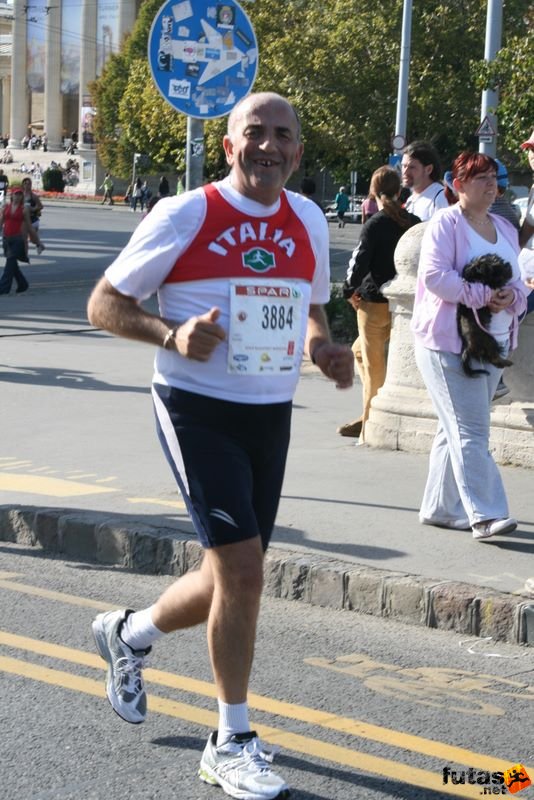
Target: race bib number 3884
265	327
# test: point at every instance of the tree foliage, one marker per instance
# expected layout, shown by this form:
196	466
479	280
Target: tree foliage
338	62
511	75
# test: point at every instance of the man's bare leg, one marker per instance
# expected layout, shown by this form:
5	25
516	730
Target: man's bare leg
237	571
186	602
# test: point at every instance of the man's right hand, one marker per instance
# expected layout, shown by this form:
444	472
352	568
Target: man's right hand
199	336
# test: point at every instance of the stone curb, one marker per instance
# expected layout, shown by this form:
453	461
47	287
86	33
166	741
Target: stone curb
319	580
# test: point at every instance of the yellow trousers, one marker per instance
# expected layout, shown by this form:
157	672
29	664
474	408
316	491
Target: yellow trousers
370	350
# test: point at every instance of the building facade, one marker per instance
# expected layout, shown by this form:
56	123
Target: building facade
49	54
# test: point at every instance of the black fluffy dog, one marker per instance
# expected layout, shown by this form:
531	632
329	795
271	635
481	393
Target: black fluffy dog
476	342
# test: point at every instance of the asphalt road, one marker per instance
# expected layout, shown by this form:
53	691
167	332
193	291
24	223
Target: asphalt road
362	709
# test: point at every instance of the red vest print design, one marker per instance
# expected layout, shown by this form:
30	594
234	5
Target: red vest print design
232	244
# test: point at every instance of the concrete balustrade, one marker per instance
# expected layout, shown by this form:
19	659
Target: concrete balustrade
402	416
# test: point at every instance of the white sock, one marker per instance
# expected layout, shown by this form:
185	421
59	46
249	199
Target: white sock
233	718
138	631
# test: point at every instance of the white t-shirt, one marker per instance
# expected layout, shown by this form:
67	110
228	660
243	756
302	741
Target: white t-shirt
478	246
424	205
191	247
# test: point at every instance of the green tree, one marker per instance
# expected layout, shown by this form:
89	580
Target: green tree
511	74
338	61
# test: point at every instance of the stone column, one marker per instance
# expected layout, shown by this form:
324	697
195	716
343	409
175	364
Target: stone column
19	113
402	416
53	108
127	17
6	102
87	62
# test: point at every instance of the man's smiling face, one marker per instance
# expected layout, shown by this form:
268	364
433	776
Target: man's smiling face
262	146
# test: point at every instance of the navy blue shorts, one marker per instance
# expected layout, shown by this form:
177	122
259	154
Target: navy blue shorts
228	460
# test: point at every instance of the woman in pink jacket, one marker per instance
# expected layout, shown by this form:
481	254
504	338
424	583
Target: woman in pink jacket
464	489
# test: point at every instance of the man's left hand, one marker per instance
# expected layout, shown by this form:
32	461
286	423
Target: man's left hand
336	361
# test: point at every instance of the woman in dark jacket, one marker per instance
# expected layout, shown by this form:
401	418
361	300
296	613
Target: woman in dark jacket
370	266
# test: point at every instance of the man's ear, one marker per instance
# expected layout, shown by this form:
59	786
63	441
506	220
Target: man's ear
228	149
428	169
298	157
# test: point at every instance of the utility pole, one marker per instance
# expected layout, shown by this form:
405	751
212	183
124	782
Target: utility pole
399	140
490	97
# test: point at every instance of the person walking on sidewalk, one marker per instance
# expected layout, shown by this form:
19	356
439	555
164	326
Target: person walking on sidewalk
342	203
17	228
107	186
240	267
370	266
35	207
464	489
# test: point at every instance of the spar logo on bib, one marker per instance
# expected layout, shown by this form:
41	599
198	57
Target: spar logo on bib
258	259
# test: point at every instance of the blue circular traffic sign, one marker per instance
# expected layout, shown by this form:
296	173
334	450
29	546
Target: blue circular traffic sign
203	56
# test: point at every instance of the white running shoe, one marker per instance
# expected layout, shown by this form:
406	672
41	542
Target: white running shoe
124	685
493	527
240	767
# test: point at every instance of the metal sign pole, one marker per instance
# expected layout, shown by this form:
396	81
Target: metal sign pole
404	73
490	97
194	158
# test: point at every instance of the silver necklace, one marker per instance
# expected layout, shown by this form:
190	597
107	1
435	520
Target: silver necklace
486	221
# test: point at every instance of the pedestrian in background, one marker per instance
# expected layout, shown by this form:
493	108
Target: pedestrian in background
464	489
163	187
17	229
421	174
369	207
4	186
224	421
526	234
342	203
137	195
370	267
35	207
308	189
502	205
107	186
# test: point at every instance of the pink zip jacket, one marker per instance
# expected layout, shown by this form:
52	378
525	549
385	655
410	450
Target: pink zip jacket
440	286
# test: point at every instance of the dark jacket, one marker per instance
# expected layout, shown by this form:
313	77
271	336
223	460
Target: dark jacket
371	264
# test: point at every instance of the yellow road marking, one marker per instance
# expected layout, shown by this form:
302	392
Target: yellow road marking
55	487
291	741
417	744
18	464
169	503
36	591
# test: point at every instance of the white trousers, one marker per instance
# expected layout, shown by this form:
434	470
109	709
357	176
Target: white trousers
464	485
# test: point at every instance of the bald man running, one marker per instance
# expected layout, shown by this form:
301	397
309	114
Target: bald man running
241	271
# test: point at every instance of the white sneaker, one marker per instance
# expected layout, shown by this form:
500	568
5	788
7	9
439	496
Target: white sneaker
240	767
124	686
493	527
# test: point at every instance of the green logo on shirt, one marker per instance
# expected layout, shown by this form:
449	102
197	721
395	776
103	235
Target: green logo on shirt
258	260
